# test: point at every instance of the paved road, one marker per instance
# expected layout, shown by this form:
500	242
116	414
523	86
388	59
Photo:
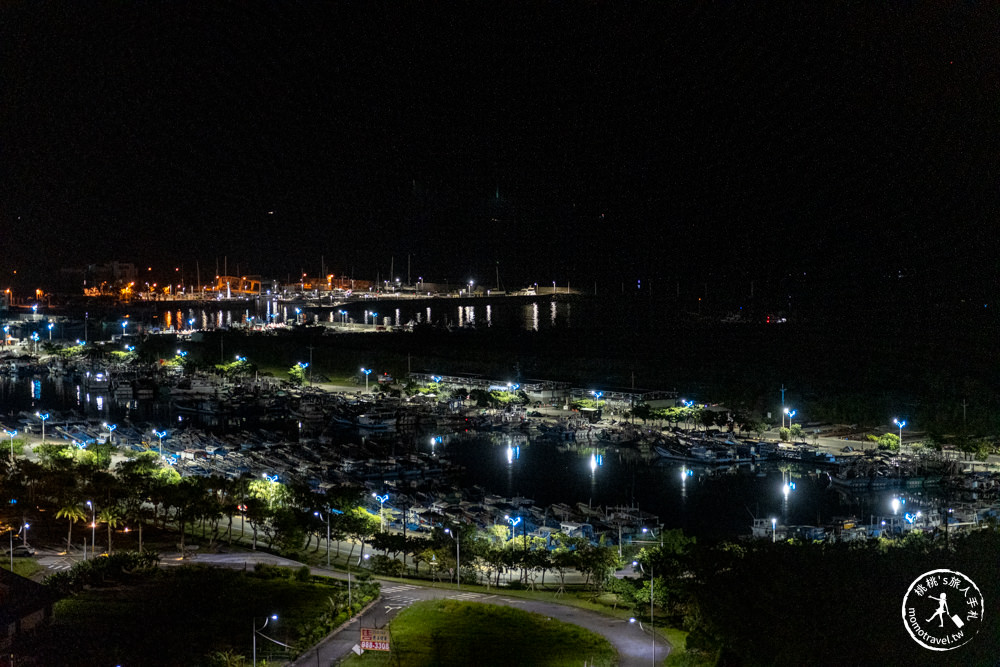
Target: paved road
635	646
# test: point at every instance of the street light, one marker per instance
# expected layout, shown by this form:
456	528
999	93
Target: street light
774	528
111	429
900	423
651	633
253	622
124	324
367	372
327	522
598	395
381	507
93	529
374	319
160	434
50	331
458	557
44	417
513	521
11	434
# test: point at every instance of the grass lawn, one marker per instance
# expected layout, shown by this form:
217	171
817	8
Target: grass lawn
177	618
26	567
448	632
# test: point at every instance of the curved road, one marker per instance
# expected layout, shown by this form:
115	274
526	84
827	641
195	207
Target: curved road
634	644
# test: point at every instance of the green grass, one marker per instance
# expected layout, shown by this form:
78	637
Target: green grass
26	567
177	618
448	632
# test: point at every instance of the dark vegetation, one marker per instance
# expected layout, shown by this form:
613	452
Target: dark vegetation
124	612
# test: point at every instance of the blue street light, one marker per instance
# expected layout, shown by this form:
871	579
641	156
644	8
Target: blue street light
256	631
900	423
381	507
367	372
160	435
598	395
44	416
374	319
11	434
111	429
513	521
50	331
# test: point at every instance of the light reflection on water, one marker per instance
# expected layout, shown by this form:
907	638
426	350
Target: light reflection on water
485	312
702	501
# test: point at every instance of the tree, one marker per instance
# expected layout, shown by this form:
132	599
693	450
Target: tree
110	516
596	563
795	431
72	512
642	411
297	374
889	441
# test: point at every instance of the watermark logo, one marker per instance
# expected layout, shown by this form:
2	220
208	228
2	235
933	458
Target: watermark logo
942	610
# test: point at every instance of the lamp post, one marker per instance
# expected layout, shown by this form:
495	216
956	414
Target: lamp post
256	630
900	423
381	508
160	434
367	372
774	528
124	325
458	557
50	331
327	522
598	395
11	434
25	528
513	521
374	319
651	633
44	416
111	429
93	529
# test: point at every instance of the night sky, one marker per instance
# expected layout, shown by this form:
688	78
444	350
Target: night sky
830	149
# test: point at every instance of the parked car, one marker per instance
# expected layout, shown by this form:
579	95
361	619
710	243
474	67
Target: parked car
21	551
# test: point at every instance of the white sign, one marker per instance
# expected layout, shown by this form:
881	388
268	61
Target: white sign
942	610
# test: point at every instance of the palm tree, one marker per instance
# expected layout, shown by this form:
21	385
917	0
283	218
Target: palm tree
109	515
73	513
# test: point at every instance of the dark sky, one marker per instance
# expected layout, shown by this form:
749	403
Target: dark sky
820	146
